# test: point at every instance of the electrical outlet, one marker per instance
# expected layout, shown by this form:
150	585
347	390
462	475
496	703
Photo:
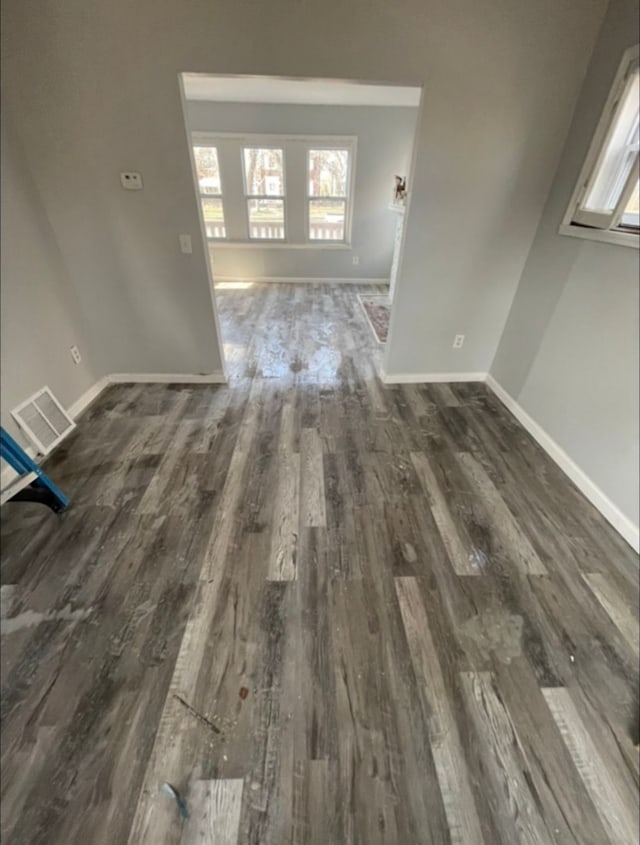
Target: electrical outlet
458	341
131	181
185	244
75	354
356	259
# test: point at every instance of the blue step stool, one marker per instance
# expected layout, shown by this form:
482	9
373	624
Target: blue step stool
32	484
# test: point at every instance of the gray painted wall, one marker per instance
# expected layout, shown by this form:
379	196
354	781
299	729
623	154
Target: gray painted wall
40	313
569	351
94	90
385	142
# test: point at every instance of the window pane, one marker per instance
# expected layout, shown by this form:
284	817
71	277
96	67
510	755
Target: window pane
328	170
213	214
266	219
619	155
264	172
326	220
208	170
631	215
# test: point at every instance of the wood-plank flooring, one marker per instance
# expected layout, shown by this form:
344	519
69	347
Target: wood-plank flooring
321	609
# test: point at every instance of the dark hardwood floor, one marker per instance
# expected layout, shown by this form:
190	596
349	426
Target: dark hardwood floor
322	609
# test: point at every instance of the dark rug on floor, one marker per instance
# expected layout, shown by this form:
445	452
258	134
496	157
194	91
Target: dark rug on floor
378	310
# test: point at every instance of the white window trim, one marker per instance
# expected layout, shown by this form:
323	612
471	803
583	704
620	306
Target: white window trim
273	244
349	142
568	226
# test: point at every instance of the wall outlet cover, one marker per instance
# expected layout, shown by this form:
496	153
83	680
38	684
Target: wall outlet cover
131	180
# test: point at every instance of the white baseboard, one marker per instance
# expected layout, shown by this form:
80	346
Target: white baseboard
623	525
167	378
294	280
76	408
95	390
428	378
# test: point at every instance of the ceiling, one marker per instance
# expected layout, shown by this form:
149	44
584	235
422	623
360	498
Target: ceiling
321	92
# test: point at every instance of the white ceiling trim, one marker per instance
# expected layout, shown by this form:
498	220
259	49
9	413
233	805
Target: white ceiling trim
320	92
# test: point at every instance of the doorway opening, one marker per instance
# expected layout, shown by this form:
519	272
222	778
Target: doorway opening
303	190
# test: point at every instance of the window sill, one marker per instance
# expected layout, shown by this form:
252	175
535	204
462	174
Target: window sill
603	235
276	245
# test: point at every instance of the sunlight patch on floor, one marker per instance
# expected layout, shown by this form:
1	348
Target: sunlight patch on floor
233	285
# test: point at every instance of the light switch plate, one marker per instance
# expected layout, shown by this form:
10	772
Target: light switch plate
185	243
131	181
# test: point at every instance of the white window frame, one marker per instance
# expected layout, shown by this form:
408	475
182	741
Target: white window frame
219	196
576	221
203	138
348	144
259	145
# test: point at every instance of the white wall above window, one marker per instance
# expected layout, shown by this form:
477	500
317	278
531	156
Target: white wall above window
271	89
604	204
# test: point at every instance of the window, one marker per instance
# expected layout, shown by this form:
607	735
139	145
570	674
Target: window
328	193
264	192
605	203
210	190
279	191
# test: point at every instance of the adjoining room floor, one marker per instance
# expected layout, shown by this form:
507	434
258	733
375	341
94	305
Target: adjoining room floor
324	610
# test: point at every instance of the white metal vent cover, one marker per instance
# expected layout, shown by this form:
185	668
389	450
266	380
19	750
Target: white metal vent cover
43	420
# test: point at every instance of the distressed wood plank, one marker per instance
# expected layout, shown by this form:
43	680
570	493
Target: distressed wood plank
462	559
520	549
561	794
617	608
503	759
312	497
614	799
284	536
451	768
214	808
